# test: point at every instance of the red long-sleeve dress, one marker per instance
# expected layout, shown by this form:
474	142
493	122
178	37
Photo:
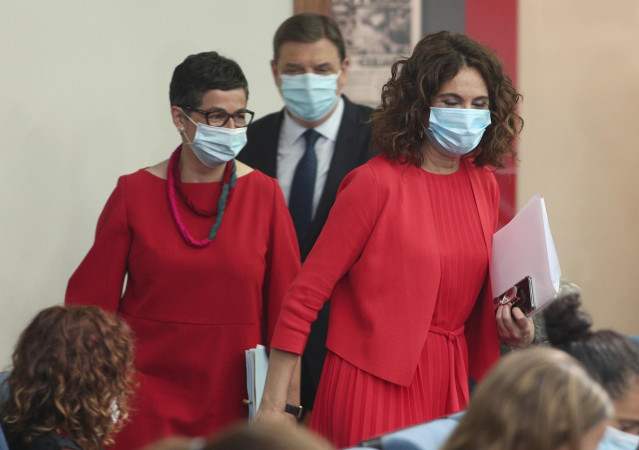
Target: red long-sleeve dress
404	257
194	311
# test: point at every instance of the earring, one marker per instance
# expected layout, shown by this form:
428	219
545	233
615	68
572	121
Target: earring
181	130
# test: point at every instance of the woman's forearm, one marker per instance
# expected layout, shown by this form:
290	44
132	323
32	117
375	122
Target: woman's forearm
294	386
280	386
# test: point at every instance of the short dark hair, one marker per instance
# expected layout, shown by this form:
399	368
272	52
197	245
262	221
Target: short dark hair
398	123
308	27
201	73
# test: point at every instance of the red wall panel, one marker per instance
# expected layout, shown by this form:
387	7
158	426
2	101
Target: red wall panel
494	24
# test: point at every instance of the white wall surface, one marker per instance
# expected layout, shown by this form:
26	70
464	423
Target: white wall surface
84	99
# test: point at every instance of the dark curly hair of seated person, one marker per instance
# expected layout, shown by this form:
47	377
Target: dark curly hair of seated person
610	358
72	374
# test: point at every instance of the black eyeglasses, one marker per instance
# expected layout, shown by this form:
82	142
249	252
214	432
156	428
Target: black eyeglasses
219	118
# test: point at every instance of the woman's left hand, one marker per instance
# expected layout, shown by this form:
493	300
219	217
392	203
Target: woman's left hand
515	329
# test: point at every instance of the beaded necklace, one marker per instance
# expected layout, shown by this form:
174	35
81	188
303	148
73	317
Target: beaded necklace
229	181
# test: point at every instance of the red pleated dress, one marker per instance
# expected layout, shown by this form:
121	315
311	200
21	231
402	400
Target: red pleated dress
354	404
360	405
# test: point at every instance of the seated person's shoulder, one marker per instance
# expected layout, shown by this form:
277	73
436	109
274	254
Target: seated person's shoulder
54	441
49	441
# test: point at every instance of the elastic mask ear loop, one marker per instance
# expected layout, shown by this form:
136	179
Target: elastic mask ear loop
183	132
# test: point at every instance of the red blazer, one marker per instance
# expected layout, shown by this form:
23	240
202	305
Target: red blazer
378	260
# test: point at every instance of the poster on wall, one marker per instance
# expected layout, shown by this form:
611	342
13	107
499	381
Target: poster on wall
375	32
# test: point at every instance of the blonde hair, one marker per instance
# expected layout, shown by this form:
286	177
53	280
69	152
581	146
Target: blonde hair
534	399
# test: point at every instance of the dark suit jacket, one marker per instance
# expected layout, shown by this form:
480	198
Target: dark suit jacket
351	150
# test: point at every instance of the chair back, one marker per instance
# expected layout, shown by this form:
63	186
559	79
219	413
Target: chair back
426	436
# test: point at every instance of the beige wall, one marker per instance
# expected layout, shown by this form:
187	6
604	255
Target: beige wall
579	74
84	99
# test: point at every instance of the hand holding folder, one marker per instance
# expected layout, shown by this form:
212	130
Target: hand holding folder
256	368
525	269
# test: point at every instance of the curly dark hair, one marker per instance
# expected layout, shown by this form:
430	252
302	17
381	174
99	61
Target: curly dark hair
398	123
610	358
71	366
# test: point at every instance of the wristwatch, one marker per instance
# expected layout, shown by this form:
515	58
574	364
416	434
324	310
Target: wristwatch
295	410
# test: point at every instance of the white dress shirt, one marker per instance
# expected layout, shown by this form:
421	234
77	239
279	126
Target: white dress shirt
292	145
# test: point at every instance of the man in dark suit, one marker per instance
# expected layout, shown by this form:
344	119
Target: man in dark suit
309	67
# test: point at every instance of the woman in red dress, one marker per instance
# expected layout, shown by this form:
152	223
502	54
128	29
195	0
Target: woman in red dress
208	249
405	254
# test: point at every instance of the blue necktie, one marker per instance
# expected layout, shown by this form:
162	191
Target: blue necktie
300	201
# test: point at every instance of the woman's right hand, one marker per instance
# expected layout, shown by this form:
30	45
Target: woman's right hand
281	367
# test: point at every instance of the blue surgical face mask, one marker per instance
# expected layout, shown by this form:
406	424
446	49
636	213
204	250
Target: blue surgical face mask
615	439
454	131
309	96
215	146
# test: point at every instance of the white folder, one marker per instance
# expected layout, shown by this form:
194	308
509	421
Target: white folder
256	368
524	247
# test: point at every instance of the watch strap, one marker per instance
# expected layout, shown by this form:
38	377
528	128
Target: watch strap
295	410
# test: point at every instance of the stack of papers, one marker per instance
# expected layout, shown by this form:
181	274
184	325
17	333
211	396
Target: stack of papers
256	368
525	248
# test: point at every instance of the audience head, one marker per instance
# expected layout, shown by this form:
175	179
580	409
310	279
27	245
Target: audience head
72	370
534	399
267	436
201	73
609	357
398	123
256	436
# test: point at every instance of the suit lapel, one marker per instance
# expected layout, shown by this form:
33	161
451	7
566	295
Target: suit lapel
271	142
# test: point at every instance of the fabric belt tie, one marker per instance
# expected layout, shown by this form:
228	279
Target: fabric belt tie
455	365
450	335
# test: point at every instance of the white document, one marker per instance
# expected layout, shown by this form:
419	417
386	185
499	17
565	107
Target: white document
256	368
524	247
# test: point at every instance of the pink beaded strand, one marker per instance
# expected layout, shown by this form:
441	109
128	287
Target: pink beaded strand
173	203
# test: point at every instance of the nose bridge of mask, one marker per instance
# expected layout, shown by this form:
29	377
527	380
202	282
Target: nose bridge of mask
229	138
462	121
308	81
227	131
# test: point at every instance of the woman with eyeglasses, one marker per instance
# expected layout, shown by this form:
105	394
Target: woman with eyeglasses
207	248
